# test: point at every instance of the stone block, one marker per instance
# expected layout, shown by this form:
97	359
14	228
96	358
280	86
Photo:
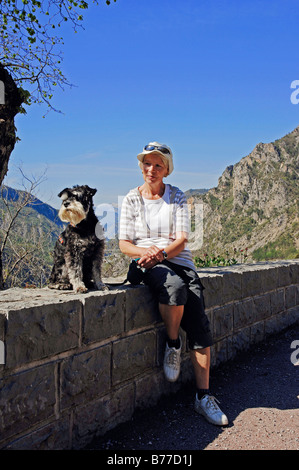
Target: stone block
85	376
270	278
223	321
251	282
149	388
141	308
41	331
98	417
161	341
52	436
288	318
26	399
262	306
284	276
277	301
293	315
257	332
290	296
240	342
103	316
187	371
294	273
219	353
244	314
232	287
213	292
133	355
273	324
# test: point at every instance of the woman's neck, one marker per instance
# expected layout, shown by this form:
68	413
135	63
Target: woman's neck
149	191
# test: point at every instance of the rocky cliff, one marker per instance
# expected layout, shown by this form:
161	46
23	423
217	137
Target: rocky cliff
256	203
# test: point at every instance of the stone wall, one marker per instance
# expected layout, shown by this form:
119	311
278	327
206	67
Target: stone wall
77	365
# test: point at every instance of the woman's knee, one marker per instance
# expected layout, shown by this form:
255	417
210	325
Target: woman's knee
175	289
168	286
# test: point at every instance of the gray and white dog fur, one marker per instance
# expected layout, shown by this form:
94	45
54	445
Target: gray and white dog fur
79	252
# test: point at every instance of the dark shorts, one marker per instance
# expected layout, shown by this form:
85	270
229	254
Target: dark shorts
178	285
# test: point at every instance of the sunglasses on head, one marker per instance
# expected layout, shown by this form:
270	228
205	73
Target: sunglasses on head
157	147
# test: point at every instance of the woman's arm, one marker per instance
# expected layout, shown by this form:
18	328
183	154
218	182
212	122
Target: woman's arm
175	247
128	248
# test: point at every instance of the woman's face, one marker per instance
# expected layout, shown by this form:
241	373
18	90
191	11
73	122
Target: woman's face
154	169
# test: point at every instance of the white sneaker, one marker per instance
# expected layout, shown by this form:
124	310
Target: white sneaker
172	363
208	407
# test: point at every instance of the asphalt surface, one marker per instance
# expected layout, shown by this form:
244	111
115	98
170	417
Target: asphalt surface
258	391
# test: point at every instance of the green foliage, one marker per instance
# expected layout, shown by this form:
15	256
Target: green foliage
29	48
27	256
214	201
289	143
282	248
208	261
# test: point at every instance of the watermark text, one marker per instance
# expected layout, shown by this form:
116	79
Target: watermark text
109	221
295	95
295	354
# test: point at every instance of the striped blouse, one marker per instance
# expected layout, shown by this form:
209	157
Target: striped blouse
147	222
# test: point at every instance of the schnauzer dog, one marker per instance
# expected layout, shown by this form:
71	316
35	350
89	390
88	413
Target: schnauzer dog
78	253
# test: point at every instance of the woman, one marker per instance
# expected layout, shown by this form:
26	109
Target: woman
154	233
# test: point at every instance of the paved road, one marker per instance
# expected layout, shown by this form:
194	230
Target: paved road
259	391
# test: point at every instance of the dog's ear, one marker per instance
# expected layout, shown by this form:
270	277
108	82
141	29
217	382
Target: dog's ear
65	190
91	191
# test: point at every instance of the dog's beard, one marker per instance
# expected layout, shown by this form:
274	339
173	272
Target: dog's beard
73	214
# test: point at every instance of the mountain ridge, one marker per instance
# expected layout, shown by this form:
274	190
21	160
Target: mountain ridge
255	205
12	194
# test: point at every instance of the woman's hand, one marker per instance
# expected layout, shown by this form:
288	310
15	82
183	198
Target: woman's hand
151	257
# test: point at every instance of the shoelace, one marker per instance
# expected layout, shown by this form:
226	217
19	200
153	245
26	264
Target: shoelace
172	358
211	403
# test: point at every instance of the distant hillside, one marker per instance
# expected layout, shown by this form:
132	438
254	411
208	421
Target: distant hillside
195	192
256	203
38	206
28	255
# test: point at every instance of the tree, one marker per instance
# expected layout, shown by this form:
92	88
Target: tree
30	49
13	100
30	56
31	59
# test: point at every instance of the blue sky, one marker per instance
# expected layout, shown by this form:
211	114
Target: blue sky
211	79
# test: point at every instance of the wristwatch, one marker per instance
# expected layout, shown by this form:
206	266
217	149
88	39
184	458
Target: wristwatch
164	254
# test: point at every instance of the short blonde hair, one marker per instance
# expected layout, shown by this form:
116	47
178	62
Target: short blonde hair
163	159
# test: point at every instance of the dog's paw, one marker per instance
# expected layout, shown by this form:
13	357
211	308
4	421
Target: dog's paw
81	289
102	287
60	286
